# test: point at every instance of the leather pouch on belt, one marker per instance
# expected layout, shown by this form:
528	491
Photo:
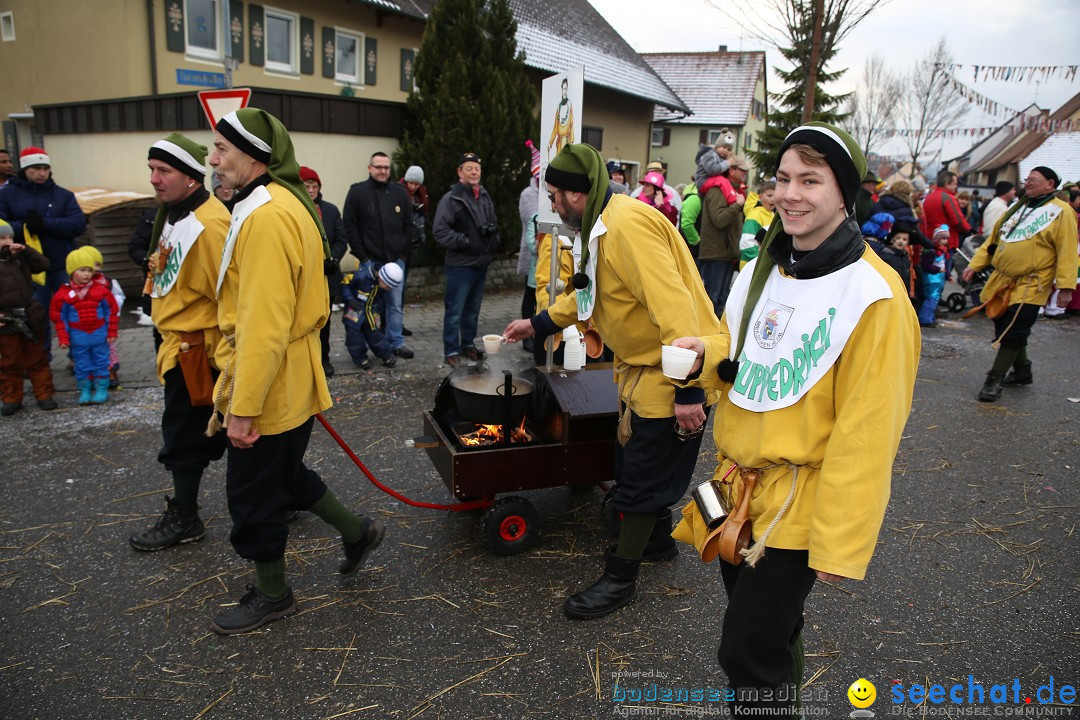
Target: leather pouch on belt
196	369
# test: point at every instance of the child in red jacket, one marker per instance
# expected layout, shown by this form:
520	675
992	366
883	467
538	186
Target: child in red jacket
85	315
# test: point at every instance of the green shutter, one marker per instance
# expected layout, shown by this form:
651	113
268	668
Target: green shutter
174	25
371	53
236	29
328	54
408	68
308	48
257	34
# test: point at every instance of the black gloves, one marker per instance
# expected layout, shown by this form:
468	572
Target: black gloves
356	305
34	222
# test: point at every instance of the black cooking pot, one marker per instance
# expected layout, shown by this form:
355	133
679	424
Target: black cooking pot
492	399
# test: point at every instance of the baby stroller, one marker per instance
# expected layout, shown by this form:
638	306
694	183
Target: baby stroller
957	301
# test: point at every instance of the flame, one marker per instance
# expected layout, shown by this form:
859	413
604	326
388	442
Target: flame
493	435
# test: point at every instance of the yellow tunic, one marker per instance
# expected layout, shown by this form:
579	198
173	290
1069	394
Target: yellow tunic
649	293
1032	265
191	304
273	301
843	434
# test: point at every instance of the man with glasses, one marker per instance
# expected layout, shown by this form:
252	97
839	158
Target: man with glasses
378	222
1032	248
637	282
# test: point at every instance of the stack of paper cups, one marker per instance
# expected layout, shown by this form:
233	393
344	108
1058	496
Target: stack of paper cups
573	349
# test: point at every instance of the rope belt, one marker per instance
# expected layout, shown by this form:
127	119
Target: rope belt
223	395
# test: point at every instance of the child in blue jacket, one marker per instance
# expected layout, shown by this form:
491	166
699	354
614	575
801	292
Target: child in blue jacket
364	301
934	275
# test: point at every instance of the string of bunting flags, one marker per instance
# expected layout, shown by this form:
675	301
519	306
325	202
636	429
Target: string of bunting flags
1020	123
991	107
1016	73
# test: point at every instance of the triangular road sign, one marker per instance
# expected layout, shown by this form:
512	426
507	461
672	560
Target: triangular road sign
219	103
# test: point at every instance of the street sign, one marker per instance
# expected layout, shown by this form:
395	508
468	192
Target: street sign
219	103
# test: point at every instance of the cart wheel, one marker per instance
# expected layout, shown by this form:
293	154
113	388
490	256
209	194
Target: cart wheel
609	516
956	302
511	526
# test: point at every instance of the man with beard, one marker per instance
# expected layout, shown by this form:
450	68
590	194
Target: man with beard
186	239
637	282
272	302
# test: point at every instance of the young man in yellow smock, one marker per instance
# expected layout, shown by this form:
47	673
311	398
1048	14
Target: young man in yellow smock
272	302
816	362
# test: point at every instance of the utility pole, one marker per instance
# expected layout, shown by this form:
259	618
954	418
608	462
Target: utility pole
815	55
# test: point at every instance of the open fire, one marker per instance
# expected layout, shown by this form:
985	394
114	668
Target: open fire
485	435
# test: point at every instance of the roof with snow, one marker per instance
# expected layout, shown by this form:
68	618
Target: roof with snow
1060	152
718	86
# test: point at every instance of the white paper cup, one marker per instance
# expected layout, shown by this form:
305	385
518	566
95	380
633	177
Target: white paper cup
676	361
492	343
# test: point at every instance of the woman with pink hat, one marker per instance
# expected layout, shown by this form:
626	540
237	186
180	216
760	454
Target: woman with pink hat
652	192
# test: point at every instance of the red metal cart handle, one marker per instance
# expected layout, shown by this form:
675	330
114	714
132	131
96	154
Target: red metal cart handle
452	507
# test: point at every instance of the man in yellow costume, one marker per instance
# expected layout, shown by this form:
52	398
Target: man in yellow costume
1033	249
816	362
182	263
272	302
638	284
562	127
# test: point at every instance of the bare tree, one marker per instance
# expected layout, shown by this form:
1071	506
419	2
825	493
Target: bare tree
929	103
871	108
783	23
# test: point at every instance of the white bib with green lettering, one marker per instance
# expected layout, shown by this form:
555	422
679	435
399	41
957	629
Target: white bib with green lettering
797	331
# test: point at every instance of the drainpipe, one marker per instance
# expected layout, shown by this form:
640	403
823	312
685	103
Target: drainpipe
153	46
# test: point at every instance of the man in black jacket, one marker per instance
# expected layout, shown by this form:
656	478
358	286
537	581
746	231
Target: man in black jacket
378	222
466	227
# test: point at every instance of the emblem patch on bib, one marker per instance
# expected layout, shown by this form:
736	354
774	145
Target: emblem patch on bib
772	323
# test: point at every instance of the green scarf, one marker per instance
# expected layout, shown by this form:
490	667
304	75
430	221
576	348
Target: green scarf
584	160
282	168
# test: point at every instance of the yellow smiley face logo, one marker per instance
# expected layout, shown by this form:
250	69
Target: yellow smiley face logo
862	693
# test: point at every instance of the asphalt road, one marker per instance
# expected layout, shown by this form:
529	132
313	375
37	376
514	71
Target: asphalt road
976	571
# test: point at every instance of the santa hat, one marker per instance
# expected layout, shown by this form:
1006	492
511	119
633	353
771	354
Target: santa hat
535	158
33	156
182	153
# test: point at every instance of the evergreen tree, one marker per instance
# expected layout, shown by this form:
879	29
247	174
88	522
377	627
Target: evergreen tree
472	94
791	23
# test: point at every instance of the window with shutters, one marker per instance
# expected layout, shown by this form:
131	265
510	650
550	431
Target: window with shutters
281	41
661	137
347	64
593	136
202	29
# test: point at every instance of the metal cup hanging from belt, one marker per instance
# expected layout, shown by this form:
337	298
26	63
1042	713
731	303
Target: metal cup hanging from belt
710	504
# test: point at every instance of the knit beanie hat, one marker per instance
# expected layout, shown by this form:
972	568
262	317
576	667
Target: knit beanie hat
878	226
841	152
182	153
260	135
307	173
579	168
391	274
415	174
80	257
33	156
1048	174
6	230
94	254
941	231
1002	187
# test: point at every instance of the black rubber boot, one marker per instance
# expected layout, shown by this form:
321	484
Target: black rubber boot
661	546
176	526
615	588
991	389
1019	375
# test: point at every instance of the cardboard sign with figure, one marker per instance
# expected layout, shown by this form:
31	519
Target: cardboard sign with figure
560	123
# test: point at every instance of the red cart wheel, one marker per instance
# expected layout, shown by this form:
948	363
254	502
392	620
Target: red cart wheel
511	526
